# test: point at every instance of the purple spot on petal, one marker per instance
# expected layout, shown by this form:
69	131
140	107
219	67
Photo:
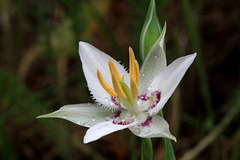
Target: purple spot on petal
157	97
147	122
113	99
144	97
122	120
117	114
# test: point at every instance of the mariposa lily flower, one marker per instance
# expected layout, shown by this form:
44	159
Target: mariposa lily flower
125	99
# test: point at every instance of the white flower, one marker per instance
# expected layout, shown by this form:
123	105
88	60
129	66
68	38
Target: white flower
125	100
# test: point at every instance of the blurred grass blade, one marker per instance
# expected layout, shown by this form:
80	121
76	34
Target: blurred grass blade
146	149
93	11
151	30
236	154
232	112
19	107
6	148
195	40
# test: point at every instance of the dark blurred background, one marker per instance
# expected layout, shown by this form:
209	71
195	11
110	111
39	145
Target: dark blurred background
40	71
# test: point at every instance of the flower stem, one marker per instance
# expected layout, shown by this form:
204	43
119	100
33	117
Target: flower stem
146	149
133	148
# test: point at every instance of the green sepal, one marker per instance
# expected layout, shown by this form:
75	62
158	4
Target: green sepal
151	30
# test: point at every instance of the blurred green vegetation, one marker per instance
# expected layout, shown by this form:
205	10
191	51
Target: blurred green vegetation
40	71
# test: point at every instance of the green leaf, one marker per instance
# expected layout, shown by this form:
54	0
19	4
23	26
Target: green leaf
150	32
146	149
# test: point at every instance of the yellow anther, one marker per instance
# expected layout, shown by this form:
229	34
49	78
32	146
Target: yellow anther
120	88
117	87
131	63
105	85
113	68
134	89
137	72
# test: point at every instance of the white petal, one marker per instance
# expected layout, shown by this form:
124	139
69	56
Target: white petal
101	129
92	60
155	126
167	81
85	115
153	64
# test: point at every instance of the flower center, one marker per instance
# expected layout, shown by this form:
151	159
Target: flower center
123	119
121	90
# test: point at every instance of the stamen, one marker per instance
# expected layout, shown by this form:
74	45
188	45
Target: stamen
117	87
137	72
134	89
113	68
131	63
105	85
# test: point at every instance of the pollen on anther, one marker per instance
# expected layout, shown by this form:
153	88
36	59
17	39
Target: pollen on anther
131	63
113	68
105	85
134	89
137	72
117	87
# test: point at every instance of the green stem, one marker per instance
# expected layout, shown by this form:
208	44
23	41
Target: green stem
146	149
133	148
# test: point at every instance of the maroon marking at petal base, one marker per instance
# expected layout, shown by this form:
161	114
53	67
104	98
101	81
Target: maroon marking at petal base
147	122
113	99
144	97
121	120
157	97
117	114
